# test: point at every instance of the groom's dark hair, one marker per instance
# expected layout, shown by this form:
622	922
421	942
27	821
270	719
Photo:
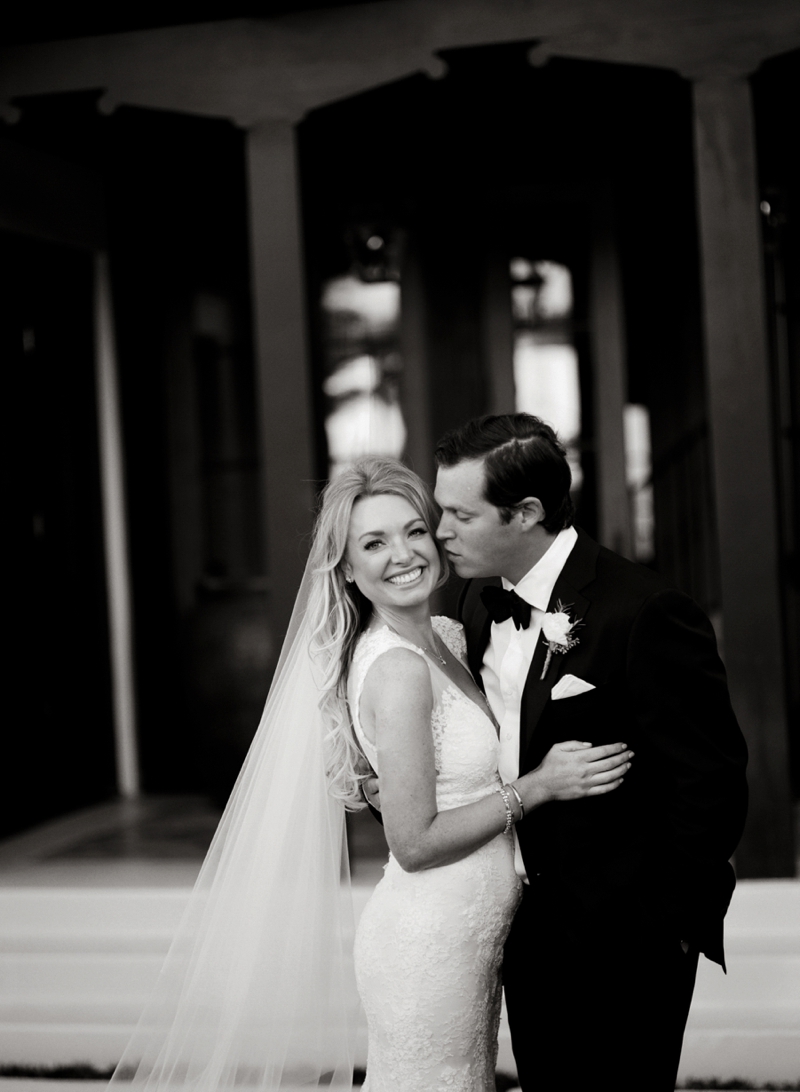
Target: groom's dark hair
522	457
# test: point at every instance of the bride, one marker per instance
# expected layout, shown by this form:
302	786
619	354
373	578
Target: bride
257	988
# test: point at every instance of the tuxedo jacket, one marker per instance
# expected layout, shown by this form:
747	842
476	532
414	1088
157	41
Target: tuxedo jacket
653	854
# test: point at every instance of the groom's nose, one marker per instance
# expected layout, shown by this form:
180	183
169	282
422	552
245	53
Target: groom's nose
444	530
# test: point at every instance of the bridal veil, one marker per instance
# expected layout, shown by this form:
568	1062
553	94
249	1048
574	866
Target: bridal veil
257	990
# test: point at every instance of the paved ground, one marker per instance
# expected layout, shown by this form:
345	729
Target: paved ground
23	1085
160	843
145	841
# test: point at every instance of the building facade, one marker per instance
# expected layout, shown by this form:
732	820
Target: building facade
238	251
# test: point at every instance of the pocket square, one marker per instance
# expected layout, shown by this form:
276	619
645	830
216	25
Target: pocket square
568	686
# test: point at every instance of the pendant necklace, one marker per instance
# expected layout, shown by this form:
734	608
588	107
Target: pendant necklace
434	654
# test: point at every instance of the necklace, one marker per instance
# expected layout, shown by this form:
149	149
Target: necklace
434	655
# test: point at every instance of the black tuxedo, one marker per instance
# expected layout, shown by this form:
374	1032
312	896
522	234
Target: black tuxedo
619	880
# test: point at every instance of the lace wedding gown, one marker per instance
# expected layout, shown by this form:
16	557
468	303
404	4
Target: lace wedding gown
429	944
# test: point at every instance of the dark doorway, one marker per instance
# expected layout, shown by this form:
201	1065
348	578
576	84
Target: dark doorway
178	253
57	728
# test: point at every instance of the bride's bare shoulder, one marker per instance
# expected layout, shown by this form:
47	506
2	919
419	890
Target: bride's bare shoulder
396	677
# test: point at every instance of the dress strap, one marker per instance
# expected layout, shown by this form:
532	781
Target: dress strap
452	633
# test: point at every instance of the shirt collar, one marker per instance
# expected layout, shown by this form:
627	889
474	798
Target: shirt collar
537	584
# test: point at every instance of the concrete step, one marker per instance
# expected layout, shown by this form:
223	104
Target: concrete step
77	964
86	1009
32	1084
29	1084
50	974
746	1024
77	967
89	912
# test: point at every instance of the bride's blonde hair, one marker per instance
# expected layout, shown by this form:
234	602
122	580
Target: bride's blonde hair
338	612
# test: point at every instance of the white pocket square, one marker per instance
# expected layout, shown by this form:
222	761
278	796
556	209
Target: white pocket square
568	686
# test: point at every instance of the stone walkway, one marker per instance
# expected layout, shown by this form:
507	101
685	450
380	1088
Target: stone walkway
88	904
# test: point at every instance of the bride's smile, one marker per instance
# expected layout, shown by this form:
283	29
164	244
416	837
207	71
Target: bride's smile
391	555
406	578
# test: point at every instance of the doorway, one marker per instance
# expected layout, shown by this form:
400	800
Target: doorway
58	730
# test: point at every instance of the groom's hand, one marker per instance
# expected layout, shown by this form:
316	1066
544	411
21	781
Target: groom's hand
573	770
371	790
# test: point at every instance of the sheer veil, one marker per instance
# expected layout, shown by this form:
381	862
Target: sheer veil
257	990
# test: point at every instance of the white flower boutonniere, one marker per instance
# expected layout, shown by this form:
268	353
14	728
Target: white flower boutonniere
558	630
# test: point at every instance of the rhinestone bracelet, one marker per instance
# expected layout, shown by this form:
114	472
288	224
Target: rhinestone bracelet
519	801
509	812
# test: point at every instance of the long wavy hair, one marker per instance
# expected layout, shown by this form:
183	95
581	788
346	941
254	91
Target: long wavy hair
338	612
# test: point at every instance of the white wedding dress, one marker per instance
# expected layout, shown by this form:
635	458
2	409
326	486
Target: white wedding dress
429	944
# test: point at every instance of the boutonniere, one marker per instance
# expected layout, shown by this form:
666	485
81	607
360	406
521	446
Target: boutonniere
558	630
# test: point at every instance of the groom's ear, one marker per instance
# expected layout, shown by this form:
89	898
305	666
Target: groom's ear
530	513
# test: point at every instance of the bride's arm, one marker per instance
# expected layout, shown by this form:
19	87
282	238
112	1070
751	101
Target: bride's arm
396	705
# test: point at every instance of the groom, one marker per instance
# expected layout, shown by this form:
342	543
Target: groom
623	891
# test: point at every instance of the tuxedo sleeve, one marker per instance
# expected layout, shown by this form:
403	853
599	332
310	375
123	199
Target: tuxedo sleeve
691	741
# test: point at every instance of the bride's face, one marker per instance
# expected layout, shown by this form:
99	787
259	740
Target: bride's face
390	553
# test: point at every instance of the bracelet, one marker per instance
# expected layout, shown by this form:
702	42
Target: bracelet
519	801
509	813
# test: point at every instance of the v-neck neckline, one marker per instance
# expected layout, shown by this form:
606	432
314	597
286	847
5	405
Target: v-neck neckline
485	708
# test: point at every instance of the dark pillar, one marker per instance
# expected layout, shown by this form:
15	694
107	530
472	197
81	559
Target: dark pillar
739	397
415	388
284	395
607	318
497	331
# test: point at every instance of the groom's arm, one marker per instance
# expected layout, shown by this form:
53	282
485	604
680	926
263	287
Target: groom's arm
681	705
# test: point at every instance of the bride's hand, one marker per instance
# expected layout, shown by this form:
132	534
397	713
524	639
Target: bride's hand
573	770
371	789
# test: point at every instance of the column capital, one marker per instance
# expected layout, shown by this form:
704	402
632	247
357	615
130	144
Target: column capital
277	121
721	71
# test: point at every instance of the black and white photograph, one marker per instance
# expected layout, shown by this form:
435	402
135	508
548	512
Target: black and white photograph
402	502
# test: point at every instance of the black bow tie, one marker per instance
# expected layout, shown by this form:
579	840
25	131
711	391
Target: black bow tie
502	604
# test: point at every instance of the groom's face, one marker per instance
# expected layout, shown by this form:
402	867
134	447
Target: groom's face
475	538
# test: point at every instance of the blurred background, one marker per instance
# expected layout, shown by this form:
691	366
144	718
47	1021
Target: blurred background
242	246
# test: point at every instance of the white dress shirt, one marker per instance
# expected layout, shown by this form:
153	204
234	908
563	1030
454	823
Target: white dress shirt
509	653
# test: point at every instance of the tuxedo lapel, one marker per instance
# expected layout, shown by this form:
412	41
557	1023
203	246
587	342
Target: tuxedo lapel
480	649
578	571
479	631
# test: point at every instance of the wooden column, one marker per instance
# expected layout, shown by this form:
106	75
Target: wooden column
284	393
115	536
607	318
744	479
415	387
497	329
